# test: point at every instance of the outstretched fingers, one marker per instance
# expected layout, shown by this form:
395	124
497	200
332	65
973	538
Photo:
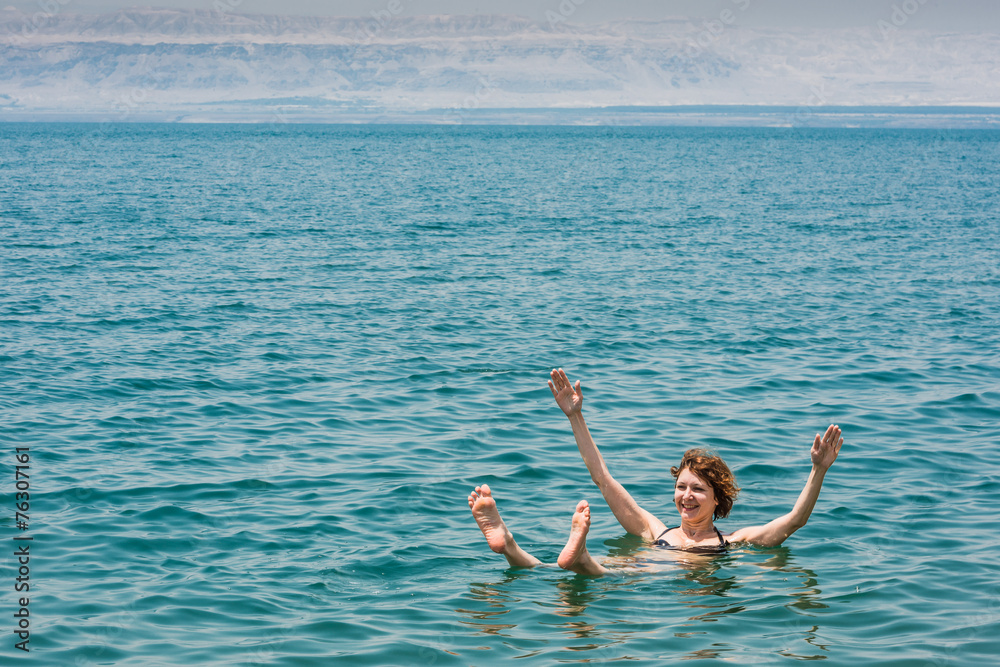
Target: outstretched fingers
570	400
552	388
832	437
826	447
558	380
561	381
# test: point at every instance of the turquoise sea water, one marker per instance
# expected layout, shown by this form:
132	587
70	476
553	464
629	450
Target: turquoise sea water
260	368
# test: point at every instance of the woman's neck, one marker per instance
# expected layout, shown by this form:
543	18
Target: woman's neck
698	530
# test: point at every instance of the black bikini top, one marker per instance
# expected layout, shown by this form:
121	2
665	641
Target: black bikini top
721	547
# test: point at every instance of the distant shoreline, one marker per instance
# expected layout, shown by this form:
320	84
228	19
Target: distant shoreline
291	111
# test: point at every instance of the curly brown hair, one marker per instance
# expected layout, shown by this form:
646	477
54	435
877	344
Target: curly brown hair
711	468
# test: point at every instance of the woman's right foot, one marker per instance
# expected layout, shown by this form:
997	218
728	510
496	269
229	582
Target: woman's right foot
484	509
500	539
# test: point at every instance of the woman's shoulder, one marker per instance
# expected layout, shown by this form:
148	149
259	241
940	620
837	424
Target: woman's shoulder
664	532
654	527
734	535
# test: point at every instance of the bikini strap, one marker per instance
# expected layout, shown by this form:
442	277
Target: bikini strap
722	540
662	534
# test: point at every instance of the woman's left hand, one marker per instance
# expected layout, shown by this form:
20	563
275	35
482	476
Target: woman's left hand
824	453
824	450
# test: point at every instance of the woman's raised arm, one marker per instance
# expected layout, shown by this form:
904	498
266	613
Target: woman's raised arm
633	518
824	453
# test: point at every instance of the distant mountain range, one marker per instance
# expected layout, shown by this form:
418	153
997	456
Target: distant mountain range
185	64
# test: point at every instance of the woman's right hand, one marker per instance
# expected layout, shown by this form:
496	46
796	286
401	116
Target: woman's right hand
569	399
824	450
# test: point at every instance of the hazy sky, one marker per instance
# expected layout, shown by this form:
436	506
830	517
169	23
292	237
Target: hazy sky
935	14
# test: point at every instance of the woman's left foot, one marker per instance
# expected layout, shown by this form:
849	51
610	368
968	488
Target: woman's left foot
575	556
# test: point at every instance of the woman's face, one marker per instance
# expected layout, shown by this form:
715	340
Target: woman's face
694	497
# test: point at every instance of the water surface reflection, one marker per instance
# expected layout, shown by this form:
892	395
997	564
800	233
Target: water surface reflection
659	601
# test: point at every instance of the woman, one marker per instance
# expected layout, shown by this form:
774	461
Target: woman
704	490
